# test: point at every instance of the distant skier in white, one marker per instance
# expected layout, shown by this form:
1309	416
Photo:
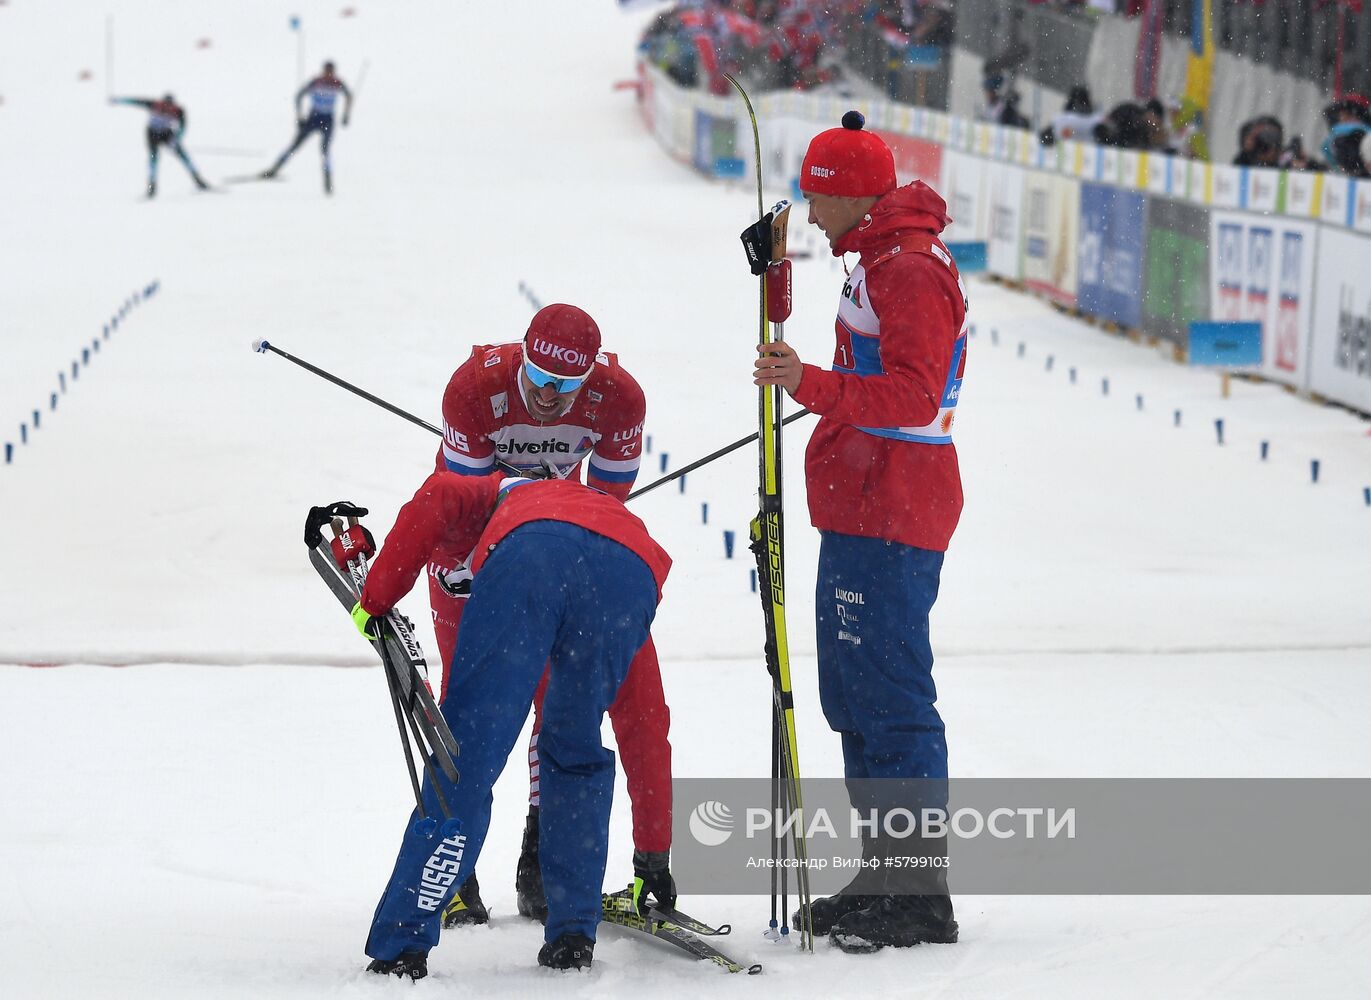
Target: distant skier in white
166	126
323	92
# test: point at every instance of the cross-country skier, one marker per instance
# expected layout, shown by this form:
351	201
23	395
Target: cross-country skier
166	126
885	494
323	92
579	578
554	402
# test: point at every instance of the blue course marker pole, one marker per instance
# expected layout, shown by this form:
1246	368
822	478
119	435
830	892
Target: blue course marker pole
728	544
1140	401
85	355
52	401
9	455
647	444
1049	363
23	433
1365	492
704	513
107	331
1072	374
664	458
994	336
95	345
75	371
1104	386
1218	429
682	482
1266	447
62	381
1176	418
752	579
1313	469
37	419
1021	348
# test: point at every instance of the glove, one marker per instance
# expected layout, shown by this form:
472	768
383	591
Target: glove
366	623
757	244
455	582
652	877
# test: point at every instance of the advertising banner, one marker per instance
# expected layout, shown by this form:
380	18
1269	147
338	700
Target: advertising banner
1006	219
1340	352
1262	271
1051	227
1110	275
1176	272
964	191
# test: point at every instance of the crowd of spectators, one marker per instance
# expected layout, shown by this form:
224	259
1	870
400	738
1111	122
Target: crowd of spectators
793	43
1346	150
799	44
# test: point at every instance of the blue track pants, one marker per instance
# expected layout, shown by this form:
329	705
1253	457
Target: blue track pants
551	595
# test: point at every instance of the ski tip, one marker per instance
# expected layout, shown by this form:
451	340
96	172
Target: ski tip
753	970
260	346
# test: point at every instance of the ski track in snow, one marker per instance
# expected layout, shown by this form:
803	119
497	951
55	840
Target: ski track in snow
1124	597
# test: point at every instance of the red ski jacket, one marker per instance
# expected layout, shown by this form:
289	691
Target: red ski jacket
459	511
881	462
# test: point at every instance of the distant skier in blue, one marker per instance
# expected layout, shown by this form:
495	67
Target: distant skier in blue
323	92
166	126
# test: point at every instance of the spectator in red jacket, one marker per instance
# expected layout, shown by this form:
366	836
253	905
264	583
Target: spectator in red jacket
885	494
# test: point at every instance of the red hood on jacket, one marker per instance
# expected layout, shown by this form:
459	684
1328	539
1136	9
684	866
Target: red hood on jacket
915	206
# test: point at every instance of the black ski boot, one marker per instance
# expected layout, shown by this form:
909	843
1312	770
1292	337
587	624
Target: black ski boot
897	922
858	894
528	877
269	174
466	908
570	951
413	964
152	189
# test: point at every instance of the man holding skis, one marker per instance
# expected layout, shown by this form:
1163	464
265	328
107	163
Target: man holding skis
547	406
166	126
885	494
323	92
582	578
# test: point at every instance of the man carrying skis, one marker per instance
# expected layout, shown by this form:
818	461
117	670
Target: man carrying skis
323	92
166	126
582	578
885	494
548	405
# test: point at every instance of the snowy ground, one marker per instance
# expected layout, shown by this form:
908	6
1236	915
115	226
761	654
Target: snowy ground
1123	598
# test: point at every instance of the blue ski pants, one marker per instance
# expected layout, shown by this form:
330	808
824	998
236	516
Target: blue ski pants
875	661
323	124
551	595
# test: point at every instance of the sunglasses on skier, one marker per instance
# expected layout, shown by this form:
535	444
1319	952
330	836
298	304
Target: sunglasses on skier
559	383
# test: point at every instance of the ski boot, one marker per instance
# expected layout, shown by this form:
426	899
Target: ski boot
466	908
896	922
570	951
528	877
413	964
861	892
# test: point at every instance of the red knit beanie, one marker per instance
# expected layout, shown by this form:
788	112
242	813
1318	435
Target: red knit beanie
848	162
562	340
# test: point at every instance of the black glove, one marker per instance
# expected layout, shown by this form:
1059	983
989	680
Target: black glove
652	877
757	244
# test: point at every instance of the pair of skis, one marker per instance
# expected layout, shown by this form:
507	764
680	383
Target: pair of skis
671	925
765	243
342	563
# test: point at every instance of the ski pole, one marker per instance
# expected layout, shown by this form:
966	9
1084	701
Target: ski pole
709	458
262	347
